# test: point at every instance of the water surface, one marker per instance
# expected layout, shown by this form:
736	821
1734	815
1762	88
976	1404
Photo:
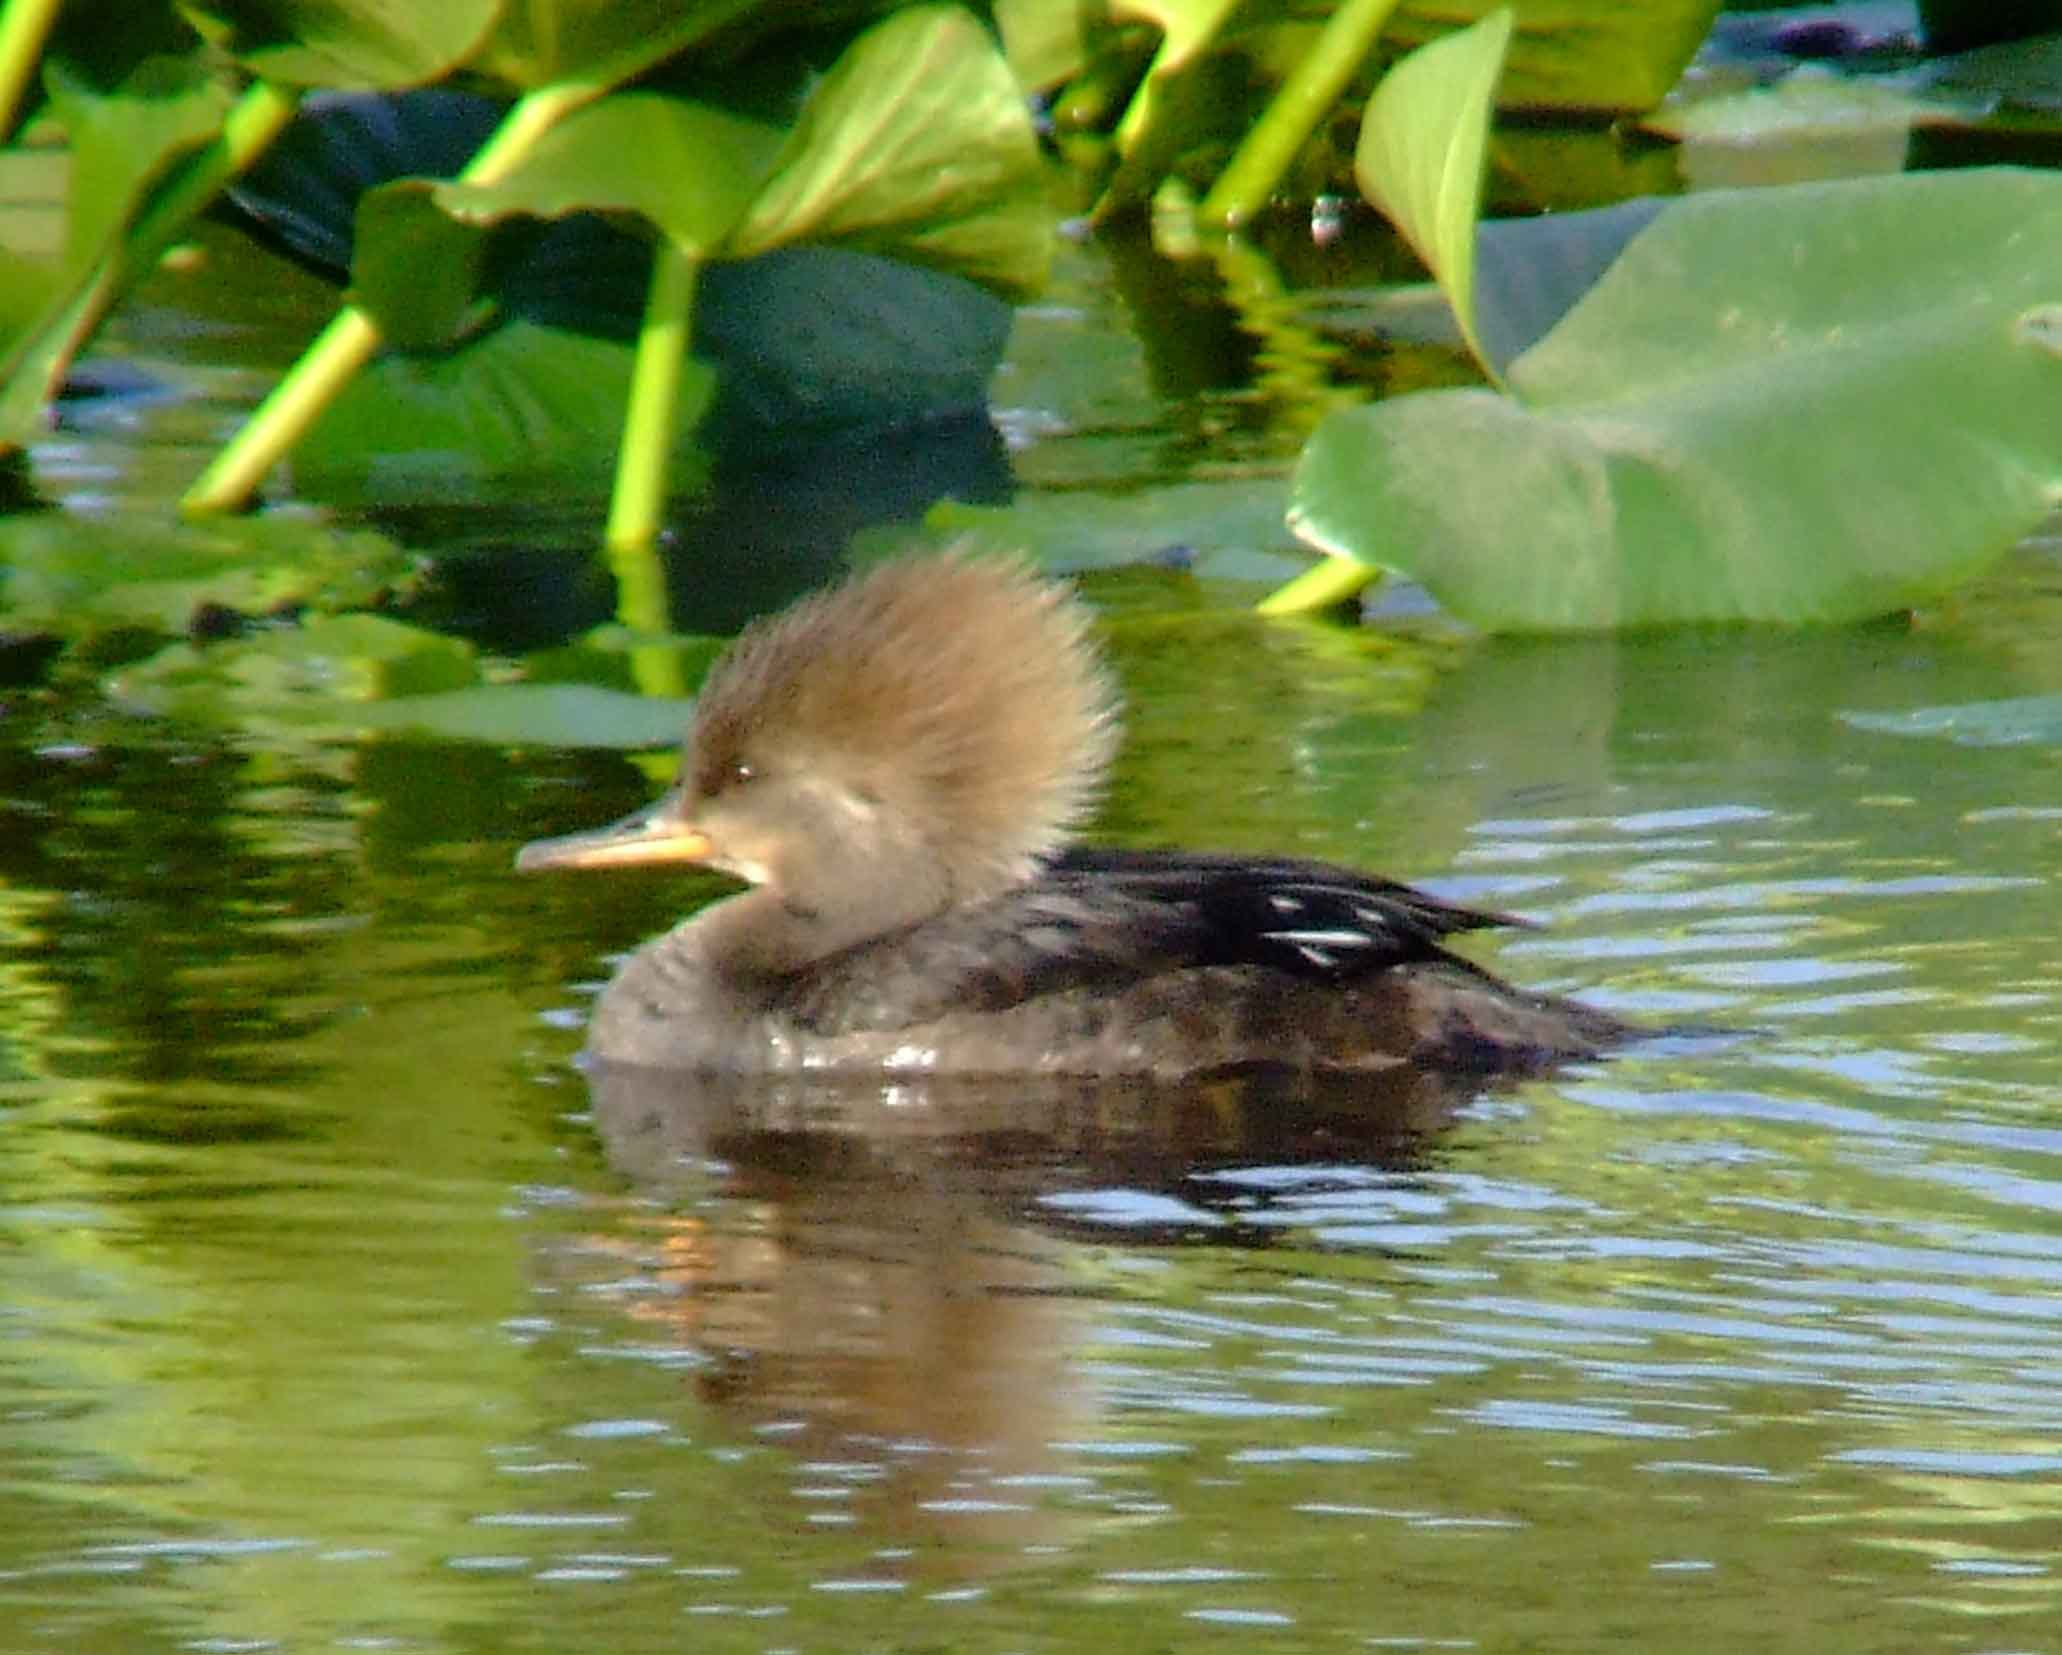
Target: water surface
342	1311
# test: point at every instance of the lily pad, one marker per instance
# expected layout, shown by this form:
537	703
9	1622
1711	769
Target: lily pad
917	145
1421	150
526	408
607	42
1225	530
122	139
349	43
2026	74
322	673
698	168
1530	271
1811	404
2022	721
1576	54
421	245
1809	103
78	576
537	715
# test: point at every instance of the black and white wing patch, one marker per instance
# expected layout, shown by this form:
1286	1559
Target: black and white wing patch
1309	919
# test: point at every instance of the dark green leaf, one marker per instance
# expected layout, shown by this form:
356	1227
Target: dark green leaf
2026	74
350	43
606	42
524	409
413	269
122	141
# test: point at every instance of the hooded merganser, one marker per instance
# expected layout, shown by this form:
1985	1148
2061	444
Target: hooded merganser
896	766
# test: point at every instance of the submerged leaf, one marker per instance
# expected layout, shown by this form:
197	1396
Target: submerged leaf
1802	405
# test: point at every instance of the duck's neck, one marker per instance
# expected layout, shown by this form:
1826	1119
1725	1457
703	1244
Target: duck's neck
772	933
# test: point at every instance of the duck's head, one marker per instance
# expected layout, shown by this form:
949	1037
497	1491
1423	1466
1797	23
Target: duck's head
921	736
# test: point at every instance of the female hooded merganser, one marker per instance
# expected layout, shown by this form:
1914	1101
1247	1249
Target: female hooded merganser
896	766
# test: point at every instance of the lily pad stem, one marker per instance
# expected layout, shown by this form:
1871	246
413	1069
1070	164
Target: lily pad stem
1306	96
24	25
253	121
650	423
347	344
1178	48
650	420
1332	581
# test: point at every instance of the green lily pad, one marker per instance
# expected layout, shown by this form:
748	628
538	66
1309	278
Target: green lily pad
916	145
124	138
1224	530
1811	404
2022	721
122	142
1045	44
349	43
526	408
537	715
1589	55
2023	74
1421	150
608	655
79	576
607	42
697	169
1806	104
420	243
322	673
1530	271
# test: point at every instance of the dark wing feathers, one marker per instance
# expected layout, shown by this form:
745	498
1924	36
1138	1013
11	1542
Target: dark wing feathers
1103	919
1309	919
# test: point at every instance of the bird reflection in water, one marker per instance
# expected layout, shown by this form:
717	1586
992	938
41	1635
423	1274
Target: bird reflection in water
892	1286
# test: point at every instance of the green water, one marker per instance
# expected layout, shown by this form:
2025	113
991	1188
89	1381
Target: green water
336	1312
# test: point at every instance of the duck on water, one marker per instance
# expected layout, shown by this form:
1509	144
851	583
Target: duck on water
896	767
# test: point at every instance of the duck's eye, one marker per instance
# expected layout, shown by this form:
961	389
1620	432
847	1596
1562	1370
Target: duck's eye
717	777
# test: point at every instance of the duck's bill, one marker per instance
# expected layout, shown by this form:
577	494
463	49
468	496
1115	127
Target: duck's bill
649	836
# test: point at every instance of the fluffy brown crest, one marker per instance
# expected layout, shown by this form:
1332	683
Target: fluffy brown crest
962	692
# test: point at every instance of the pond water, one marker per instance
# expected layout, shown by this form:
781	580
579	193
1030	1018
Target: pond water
342	1312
